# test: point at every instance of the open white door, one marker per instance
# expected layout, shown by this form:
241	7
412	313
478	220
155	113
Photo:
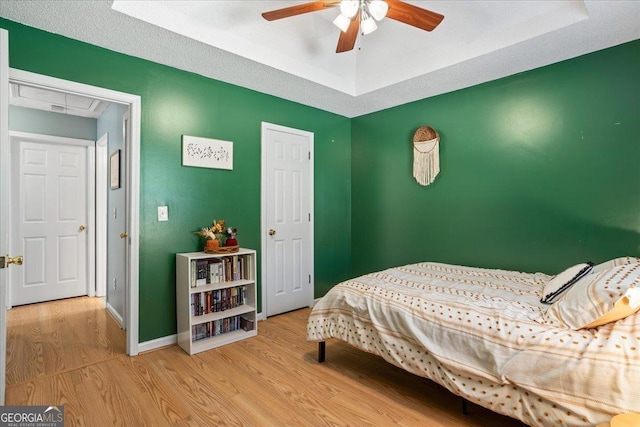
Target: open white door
4	217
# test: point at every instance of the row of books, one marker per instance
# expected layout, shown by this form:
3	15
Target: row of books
221	326
218	300
218	270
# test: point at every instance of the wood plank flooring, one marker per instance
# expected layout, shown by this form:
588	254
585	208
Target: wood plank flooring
72	353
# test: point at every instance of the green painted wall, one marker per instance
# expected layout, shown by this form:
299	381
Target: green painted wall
174	103
538	171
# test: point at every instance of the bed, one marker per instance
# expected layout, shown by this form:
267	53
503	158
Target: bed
485	335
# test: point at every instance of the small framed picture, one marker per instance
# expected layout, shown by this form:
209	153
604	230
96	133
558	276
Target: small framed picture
114	168
207	153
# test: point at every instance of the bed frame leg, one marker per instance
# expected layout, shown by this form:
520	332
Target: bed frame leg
321	351
465	410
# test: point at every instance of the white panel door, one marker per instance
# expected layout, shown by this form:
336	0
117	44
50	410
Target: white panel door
49	220
288	223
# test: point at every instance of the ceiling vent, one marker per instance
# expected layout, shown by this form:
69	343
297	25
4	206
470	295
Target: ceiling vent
58	102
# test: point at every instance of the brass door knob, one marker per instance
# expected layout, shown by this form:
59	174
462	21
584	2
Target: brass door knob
17	260
82	228
124	235
272	232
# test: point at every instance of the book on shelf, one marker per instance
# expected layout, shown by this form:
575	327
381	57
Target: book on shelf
215	270
218	327
218	270
201	272
218	300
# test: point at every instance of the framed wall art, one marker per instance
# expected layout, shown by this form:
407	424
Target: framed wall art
207	153
114	170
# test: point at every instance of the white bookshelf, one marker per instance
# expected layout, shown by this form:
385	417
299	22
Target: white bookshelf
219	308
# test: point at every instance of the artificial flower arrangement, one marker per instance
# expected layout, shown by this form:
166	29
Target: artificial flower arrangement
214	232
218	235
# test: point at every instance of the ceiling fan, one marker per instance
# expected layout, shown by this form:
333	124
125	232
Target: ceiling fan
361	16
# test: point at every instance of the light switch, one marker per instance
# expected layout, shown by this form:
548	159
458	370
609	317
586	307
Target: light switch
163	213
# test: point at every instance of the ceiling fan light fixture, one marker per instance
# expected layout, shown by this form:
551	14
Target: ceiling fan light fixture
378	9
342	22
368	25
358	17
349	8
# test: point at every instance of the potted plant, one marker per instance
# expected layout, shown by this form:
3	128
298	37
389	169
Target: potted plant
214	236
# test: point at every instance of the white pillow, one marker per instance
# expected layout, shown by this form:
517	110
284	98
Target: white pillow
598	299
563	281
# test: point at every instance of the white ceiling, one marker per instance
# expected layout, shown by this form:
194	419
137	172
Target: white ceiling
295	58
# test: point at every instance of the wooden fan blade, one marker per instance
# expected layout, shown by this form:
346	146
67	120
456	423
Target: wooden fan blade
299	9
348	38
413	15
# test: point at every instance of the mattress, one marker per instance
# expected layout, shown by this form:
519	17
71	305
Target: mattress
481	334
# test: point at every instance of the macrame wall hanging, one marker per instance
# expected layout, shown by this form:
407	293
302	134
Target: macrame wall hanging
426	155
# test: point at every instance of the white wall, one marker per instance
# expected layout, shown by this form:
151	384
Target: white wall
49	123
111	122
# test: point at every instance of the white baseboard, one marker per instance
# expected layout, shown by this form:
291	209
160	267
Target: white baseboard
112	311
262	316
157	343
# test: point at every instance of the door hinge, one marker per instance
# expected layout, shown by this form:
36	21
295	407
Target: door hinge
1	262
309	155
309	278
309	216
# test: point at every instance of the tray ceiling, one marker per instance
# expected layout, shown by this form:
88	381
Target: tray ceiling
295	58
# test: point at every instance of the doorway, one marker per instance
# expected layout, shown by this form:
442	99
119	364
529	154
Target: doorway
287	219
131	212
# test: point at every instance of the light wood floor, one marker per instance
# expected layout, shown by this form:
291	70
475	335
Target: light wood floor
71	353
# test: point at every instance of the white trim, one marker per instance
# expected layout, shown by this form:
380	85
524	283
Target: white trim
158	343
135	111
37	137
4	197
125	121
91	189
114	313
263	210
91	219
135	108
102	151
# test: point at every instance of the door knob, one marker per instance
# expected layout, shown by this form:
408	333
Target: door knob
272	232
82	228
124	235
17	260
5	261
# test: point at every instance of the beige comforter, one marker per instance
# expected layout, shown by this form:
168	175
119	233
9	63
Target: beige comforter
479	333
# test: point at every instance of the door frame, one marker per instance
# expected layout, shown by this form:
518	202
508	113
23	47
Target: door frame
4	206
102	155
265	126
90	205
133	183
